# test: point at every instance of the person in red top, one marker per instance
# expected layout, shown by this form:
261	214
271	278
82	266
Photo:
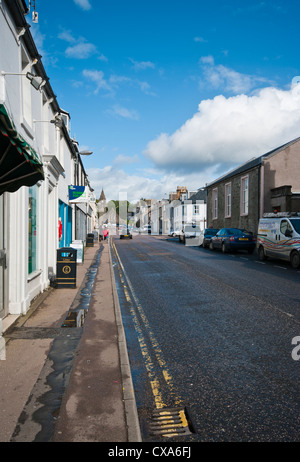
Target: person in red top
105	233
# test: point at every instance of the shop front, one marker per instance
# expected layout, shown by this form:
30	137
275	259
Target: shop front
3	275
19	166
65	225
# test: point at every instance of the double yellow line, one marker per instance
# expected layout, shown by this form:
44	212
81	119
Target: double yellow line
150	366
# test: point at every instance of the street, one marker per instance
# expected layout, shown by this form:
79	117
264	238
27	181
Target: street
210	337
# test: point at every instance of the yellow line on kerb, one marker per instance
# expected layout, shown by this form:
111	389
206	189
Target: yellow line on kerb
155	384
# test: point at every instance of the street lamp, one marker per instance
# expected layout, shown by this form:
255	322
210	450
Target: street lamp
85	153
36	81
57	121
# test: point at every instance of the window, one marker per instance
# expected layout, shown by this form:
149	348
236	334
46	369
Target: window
196	210
244	195
285	226
32	230
2	279
26	89
227	200
215	203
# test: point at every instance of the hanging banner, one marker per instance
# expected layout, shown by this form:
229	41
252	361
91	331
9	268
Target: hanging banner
78	194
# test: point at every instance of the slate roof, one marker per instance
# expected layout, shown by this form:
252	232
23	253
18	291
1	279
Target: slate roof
200	195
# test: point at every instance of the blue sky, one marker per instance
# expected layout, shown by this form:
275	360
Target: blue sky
170	92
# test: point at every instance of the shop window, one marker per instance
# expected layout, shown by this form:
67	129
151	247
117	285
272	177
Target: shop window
65	225
32	230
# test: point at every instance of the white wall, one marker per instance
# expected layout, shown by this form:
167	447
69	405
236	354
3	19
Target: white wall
32	113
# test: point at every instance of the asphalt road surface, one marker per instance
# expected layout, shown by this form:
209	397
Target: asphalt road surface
210	341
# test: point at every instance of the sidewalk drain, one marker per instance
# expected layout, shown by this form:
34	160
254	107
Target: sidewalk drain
74	319
168	422
80	306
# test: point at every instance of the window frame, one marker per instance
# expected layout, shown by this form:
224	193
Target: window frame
33	229
228	196
196	209
215	204
244	205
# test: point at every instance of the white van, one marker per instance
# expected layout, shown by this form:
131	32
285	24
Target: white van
190	234
278	236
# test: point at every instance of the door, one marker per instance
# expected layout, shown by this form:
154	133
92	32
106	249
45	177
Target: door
284	237
2	258
219	238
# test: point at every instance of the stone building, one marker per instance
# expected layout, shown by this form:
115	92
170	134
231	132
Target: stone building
267	183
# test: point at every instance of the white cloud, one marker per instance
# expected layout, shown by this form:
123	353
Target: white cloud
81	50
229	80
123	112
142	65
97	77
83	4
115	182
116	80
121	159
200	40
79	47
67	36
102	57
230	130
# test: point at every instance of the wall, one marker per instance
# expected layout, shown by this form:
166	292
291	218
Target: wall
32	112
281	169
236	220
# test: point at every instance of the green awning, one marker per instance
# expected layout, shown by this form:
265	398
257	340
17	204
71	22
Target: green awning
19	163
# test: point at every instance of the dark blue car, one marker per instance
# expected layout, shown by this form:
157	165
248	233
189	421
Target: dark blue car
206	236
231	239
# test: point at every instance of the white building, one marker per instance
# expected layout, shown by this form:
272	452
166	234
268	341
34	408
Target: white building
191	208
38	163
182	207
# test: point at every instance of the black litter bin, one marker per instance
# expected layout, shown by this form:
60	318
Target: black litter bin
90	240
66	268
96	236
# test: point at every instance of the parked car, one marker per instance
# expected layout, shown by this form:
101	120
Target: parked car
279	237
146	229
206	236
125	233
136	230
175	233
231	239
189	231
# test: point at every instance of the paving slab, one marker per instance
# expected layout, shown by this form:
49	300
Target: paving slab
94	400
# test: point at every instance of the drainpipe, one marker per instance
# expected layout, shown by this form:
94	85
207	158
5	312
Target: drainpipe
262	187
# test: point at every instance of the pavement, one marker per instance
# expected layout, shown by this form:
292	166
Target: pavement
69	384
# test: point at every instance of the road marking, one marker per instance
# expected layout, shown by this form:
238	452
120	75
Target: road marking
170	422
154	381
